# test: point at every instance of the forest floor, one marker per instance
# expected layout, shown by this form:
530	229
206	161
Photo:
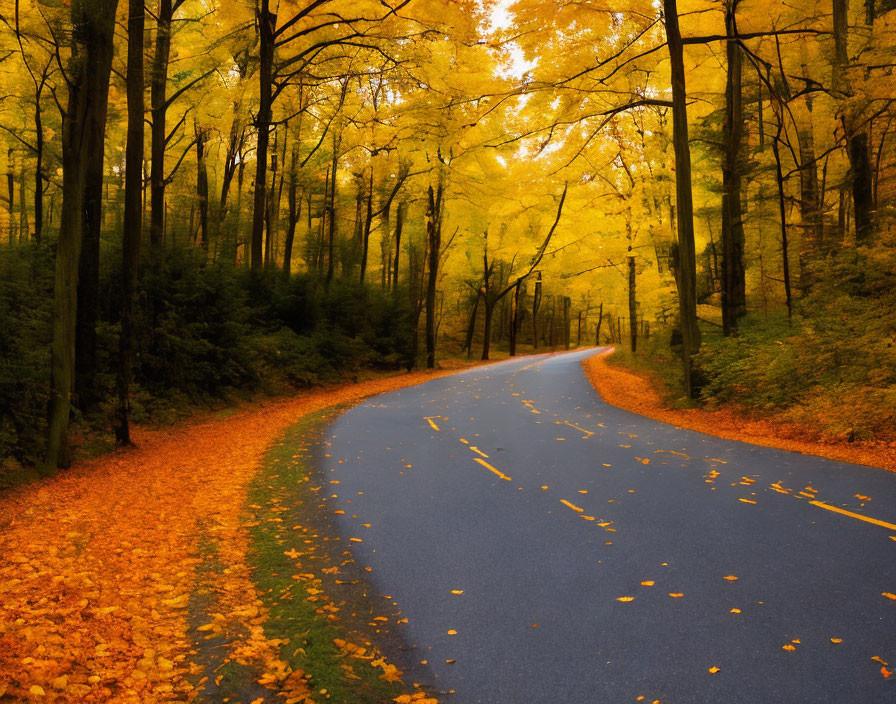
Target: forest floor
129	577
641	392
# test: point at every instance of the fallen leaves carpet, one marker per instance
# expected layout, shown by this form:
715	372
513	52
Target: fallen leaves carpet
97	565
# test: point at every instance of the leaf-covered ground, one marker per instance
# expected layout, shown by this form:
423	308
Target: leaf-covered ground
639	393
130	577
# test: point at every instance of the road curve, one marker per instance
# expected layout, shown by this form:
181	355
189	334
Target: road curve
547	547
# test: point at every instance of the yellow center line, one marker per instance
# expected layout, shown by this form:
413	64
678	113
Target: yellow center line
588	433
430	421
492	469
876	522
572	506
478	451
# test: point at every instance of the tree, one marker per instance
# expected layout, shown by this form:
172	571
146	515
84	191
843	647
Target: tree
133	215
93	23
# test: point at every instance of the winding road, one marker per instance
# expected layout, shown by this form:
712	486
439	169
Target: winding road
546	547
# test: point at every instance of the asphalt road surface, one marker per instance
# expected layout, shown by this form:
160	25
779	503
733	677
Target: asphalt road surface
556	549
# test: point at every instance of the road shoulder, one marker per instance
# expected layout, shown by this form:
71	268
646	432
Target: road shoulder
639	394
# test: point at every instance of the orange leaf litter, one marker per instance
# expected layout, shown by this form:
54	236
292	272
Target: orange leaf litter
98	564
638	393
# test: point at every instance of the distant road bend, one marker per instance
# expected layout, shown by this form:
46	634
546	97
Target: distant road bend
546	547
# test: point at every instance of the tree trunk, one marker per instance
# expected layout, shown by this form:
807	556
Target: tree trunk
38	173
133	215
487	328
782	213
86	392
368	223
294	203
536	302
515	317
566	322
272	203
600	320
11	191
158	90
687	259
733	275
331	216
434	243
399	225
861	187
267	22
94	25
471	328
202	185
632	303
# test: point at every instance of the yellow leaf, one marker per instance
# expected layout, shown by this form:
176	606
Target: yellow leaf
452	632
37	690
713	670
647	583
676	595
735	611
730	578
889	595
836	640
788	646
457	591
625	598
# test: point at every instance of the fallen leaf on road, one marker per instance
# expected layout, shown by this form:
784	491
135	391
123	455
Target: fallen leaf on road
735	611
730	578
836	640
788	646
452	632
647	583
625	598
878	659
676	595
713	670
888	595
457	591
747	501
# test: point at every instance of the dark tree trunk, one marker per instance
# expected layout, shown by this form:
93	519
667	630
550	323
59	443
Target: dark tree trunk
536	302
86	392
600	320
471	328
434	244
368	223
270	226
331	216
399	225
38	172
862	197
202	185
133	215
687	259
782	214
294	203
267	22
566	321
733	275
158	90
11	191
487	328
632	303
94	25
515	317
